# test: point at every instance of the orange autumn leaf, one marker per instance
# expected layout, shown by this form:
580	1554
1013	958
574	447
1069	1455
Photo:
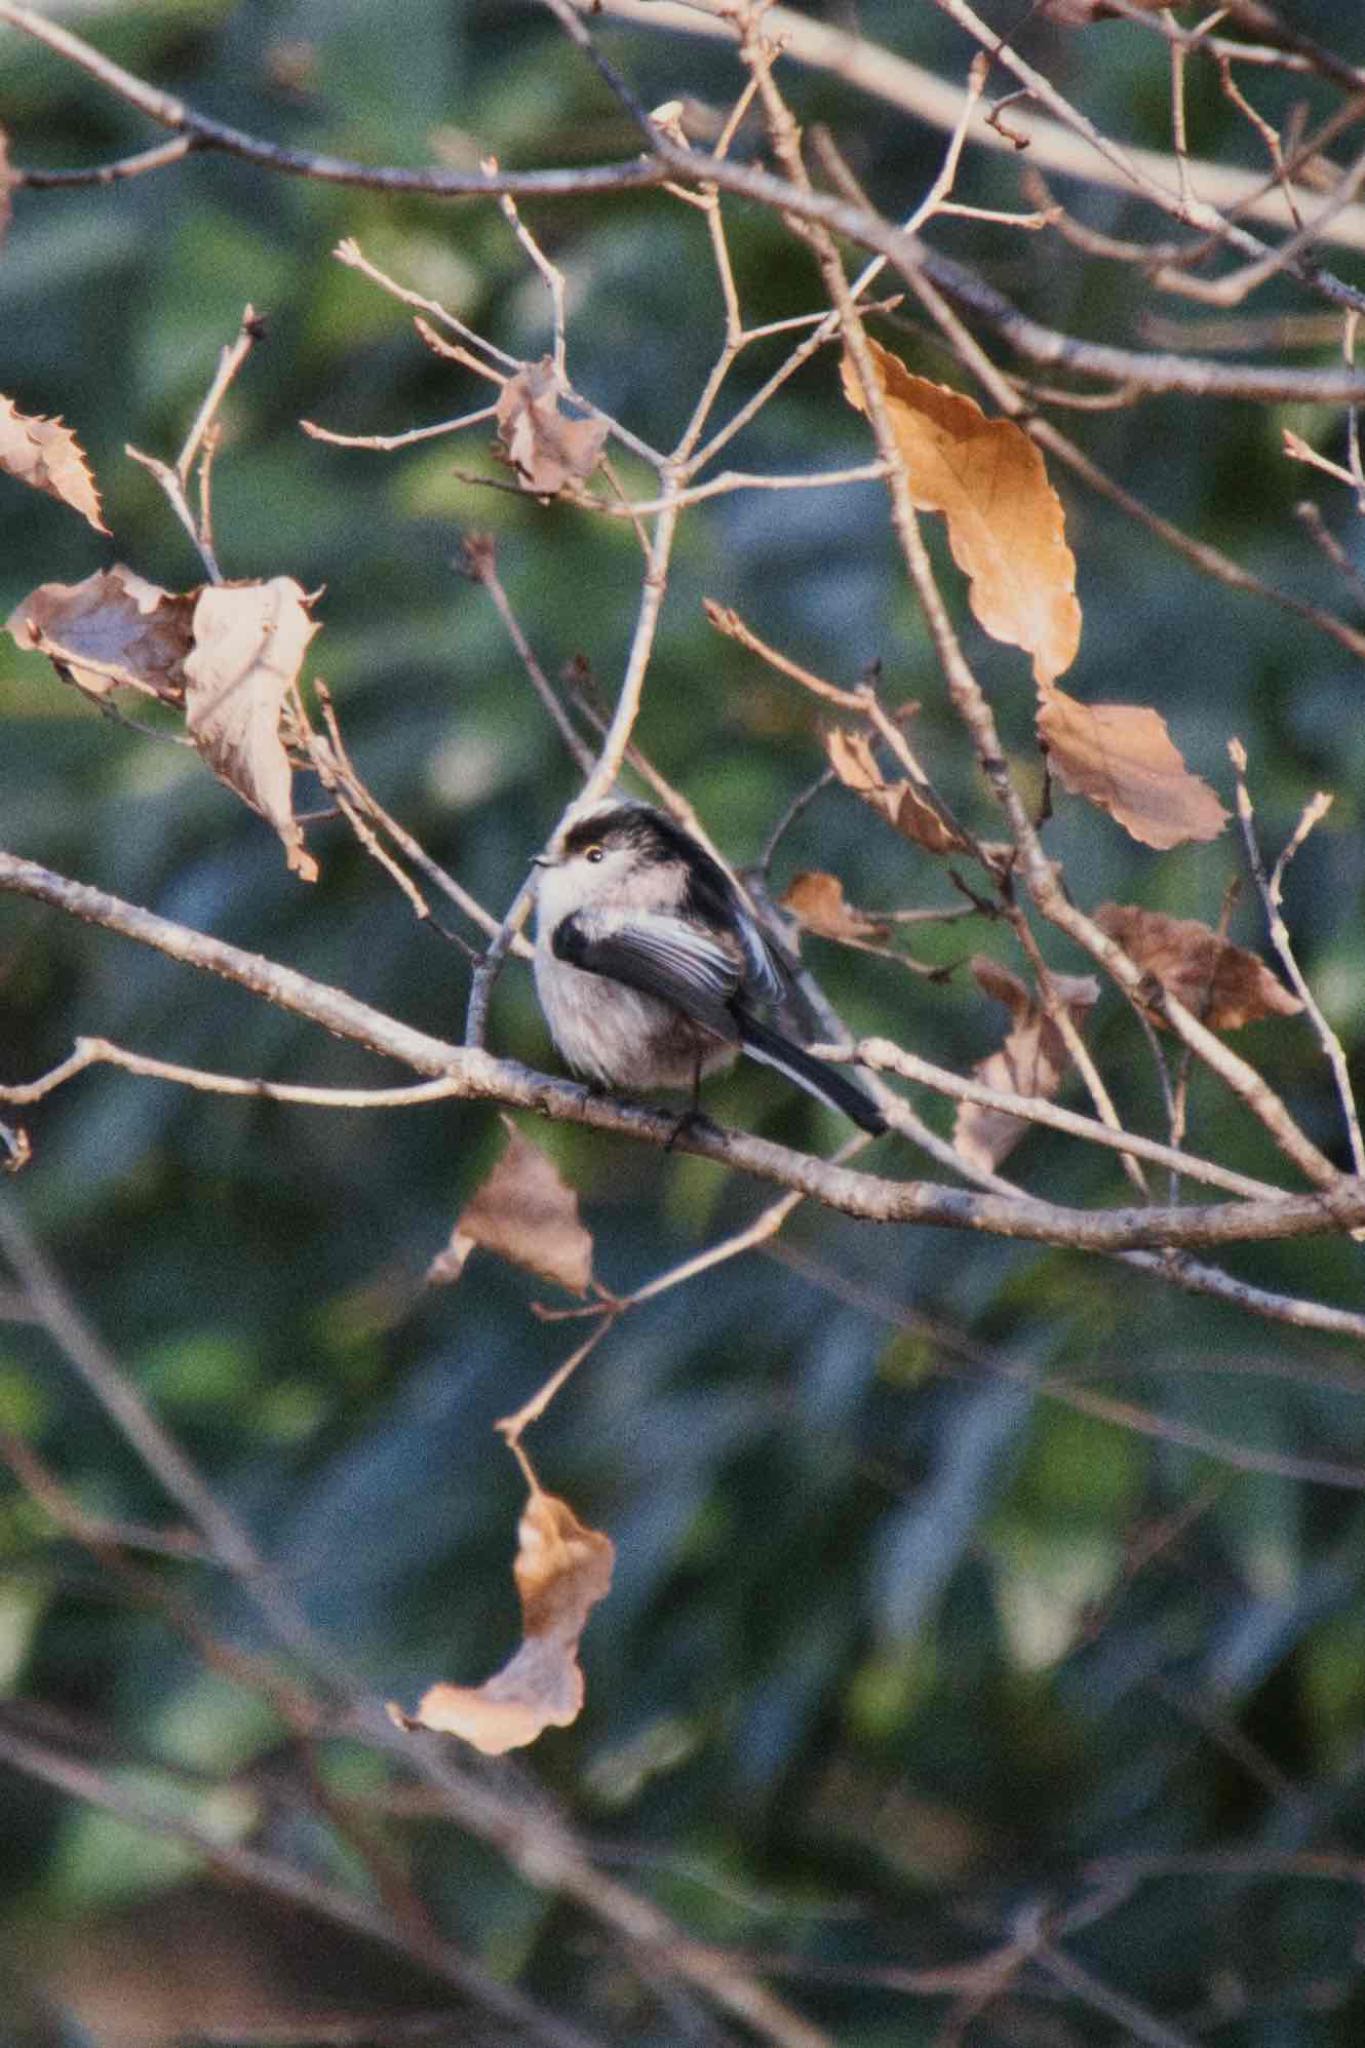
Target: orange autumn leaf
43	453
817	901
1006	527
1224	985
562	1570
912	812
1032	1060
1122	758
526	1213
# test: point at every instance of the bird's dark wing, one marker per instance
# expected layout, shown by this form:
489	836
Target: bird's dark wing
660	956
764	980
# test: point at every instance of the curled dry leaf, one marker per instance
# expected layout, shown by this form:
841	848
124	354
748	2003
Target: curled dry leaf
1122	757
913	813
524	1212
113	630
547	439
1224	985
817	901
1032	1060
44	453
1006	527
249	643
562	1570
230	653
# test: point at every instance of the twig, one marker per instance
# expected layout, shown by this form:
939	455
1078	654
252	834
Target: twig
799	804
331	761
883	1056
230	362
675	161
1334	1208
284	1880
1271	890
1308	515
479	560
884	74
174	479
386	443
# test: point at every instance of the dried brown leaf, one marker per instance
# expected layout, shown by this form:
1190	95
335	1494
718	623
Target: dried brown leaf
563	1569
1122	757
249	643
43	453
1032	1061
816	900
546	442
914	814
1006	527
524	1212
1224	985
113	630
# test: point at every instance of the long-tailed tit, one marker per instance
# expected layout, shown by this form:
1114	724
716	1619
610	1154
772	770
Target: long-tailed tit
650	970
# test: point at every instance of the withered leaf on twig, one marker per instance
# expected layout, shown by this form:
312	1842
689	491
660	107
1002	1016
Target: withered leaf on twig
562	1570
1122	757
1224	985
230	653
113	630
817	901
524	1212
913	812
1032	1060
40	452
546	440
249	644
1006	527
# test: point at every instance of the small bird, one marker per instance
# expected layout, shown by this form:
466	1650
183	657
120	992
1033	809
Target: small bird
650	970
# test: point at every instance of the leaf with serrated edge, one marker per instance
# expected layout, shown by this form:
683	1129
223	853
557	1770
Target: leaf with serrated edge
115	630
1006	527
1224	985
1122	758
1032	1060
45	454
525	1212
562	1570
249	643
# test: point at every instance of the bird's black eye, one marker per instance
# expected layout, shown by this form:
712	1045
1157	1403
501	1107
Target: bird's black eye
594	853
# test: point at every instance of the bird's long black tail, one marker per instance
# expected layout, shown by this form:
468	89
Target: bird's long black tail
817	1077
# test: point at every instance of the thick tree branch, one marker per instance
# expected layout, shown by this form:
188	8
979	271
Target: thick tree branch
670	160
476	1076
884	74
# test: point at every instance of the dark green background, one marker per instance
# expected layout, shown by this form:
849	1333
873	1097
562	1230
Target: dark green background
887	1658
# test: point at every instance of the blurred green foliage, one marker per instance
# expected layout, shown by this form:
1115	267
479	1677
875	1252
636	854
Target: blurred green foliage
903	1638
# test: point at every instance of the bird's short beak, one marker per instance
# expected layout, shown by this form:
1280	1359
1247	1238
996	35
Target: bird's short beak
542	860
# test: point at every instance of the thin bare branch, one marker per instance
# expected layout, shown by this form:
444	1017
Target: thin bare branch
1336	1207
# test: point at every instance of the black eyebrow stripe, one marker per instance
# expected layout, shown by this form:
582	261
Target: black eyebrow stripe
710	893
605	825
